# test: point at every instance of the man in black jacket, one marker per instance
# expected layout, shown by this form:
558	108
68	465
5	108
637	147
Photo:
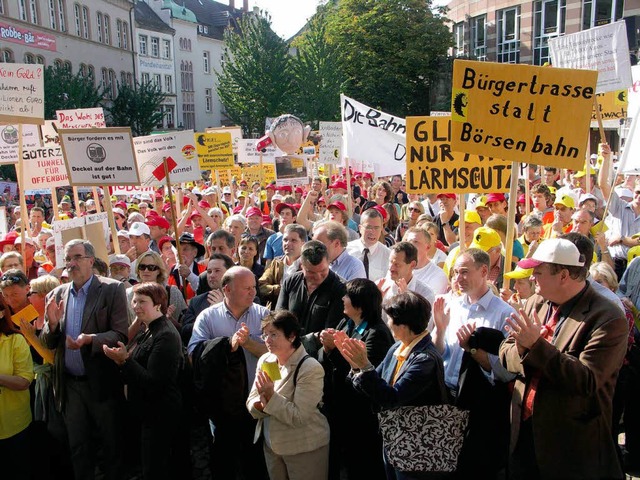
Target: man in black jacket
314	295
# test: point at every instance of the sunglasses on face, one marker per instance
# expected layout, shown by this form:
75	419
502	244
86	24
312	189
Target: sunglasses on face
151	268
11	278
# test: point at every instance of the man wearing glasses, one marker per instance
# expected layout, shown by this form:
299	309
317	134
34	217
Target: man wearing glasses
81	316
368	249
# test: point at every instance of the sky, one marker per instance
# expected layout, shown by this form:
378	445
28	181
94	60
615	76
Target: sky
287	16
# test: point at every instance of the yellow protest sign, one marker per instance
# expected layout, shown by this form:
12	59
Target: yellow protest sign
613	106
252	173
227	174
214	150
522	113
433	167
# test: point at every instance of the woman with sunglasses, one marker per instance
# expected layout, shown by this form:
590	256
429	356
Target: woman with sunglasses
151	268
411	212
150	365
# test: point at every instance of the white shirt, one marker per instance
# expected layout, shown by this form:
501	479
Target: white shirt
439	257
378	257
415	286
432	276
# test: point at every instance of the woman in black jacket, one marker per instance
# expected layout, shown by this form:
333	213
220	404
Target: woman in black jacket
150	365
351	417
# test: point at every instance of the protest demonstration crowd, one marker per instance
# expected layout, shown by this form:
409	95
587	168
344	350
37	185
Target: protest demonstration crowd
398	318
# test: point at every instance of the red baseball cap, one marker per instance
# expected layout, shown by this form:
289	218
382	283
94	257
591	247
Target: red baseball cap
8	238
339	185
339	205
321	200
204	204
299	190
496	197
152	213
252	211
237	209
367	175
283	205
271	186
158	221
166	207
447	195
163	240
380	209
284	188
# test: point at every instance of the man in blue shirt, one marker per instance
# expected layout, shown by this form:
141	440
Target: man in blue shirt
334	237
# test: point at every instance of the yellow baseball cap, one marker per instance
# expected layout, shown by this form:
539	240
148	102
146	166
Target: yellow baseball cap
519	273
582	173
633	253
470	216
482	202
485	239
566	200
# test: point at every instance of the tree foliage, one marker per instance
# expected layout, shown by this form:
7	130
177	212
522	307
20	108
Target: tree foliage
138	108
317	77
390	51
255	80
63	91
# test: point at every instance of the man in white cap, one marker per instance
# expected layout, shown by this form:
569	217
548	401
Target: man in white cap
566	348
140	239
120	269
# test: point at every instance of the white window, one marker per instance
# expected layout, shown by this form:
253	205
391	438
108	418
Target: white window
157	80
2	9
53	17
166	49
145	78
168	83
478	37
119	33
155	47
33	11
105	79
205	61
113	86
61	16
99	25
601	12
85	22
125	33
168	114
458	31
78	19
549	22
142	44
29	58
208	100
107	29
6	56
508	30
22	10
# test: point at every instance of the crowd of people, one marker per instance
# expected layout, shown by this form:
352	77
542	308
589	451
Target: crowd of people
286	319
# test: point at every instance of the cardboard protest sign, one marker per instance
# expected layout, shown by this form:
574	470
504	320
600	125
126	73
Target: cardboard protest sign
49	133
177	147
291	170
433	167
21	93
227	175
236	135
99	156
613	106
604	49
522	113
214	150
370	135
331	143
247	152
43	167
81	118
9	141
252	173
94	228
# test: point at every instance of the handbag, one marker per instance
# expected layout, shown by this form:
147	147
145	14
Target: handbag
426	438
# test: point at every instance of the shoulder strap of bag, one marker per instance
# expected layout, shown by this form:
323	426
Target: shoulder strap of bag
295	373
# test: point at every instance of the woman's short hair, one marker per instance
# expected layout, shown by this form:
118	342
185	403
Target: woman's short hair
604	271
236	218
410	309
155	291
7	255
44	284
157	260
387	186
286	322
365	295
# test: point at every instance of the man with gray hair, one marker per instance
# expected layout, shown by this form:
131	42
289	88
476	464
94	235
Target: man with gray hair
232	328
81	317
314	295
334	236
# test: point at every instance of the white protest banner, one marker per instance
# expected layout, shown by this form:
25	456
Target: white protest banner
603	48
374	136
9	141
21	93
236	135
43	168
63	231
291	171
99	156
630	161
247	152
81	118
179	150
330	143
131	190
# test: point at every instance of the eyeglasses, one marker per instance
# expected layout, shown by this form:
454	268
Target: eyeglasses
414	209
12	279
151	268
75	258
271	336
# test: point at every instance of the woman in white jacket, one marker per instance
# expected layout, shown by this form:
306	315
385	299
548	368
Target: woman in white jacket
284	399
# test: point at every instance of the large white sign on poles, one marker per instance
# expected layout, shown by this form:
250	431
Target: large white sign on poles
43	168
21	93
9	141
604	49
373	136
179	150
330	143
247	152
99	156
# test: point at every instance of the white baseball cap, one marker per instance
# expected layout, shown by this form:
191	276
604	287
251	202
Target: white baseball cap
554	250
139	228
119	260
123	233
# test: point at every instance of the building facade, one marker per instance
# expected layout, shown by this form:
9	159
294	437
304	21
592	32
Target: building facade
513	31
94	38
